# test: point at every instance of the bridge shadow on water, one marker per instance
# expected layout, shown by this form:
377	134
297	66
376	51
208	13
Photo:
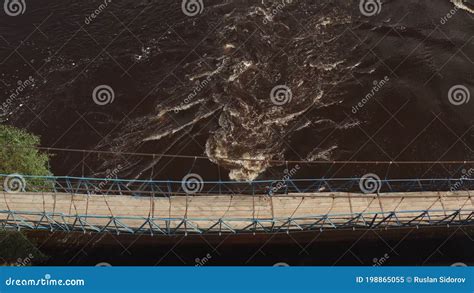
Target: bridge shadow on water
408	246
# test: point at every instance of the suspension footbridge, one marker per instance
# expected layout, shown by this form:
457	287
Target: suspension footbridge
72	204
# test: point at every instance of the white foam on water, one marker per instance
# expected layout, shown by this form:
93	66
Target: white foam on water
461	5
162	134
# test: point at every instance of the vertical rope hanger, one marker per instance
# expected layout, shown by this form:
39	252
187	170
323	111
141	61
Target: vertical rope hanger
87	187
378	195
330	167
192	166
5	199
73	203
48	155
152	197
83	157
388	170
187	202
220	179
107	204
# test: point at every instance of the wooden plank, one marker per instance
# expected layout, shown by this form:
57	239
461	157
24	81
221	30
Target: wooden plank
236	206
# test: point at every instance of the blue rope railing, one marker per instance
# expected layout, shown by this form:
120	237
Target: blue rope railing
174	226
88	185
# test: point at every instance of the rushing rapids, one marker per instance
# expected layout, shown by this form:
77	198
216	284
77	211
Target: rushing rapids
205	84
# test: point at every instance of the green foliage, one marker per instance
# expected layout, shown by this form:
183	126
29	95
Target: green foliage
18	154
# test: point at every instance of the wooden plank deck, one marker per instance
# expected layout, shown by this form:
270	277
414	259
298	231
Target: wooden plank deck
205	210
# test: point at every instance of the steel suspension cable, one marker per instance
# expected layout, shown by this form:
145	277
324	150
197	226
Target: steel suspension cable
50	149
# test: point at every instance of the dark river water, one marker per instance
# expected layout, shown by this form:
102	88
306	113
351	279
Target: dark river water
406	246
269	80
357	87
